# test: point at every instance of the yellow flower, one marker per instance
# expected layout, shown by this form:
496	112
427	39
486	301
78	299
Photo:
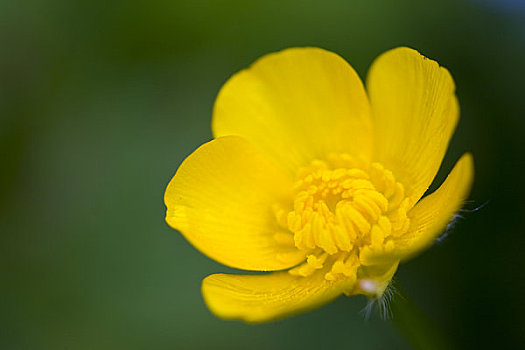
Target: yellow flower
316	179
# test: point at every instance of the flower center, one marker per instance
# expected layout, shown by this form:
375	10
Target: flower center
341	206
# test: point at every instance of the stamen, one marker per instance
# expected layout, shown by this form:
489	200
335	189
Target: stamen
341	207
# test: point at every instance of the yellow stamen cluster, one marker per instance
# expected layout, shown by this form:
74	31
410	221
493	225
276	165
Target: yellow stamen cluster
340	207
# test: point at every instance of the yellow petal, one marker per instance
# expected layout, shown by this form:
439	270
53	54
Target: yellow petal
414	112
296	105
221	200
431	215
262	298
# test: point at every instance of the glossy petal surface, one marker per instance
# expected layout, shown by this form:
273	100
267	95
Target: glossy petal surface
262	298
221	199
296	105
415	111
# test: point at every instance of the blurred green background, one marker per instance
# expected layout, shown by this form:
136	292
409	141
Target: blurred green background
100	101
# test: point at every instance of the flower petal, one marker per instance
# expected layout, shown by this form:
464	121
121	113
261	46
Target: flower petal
431	215
414	112
221	200
297	105
262	298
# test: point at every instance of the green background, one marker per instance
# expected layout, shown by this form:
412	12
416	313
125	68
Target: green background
100	101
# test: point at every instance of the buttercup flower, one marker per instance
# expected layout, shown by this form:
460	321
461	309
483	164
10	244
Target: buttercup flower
317	180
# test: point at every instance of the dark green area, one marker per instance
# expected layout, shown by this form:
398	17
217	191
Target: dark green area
101	101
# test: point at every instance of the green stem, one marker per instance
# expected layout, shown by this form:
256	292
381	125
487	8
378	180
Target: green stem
419	330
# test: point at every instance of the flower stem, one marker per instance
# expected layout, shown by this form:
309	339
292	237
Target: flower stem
418	329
